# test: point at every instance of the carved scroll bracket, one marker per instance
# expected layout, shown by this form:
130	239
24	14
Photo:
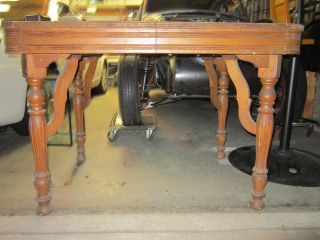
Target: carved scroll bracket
35	65
243	93
60	95
269	65
213	81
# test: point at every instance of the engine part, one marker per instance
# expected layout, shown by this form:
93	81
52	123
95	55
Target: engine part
190	77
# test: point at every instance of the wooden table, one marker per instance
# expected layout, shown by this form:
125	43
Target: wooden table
223	44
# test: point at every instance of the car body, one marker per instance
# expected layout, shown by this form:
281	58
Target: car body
179	76
184	76
100	78
13	89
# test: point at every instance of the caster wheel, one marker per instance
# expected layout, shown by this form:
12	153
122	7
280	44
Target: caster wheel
112	135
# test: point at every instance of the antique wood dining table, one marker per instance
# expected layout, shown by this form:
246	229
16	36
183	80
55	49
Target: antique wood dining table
221	44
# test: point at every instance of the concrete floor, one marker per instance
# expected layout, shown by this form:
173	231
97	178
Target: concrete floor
171	180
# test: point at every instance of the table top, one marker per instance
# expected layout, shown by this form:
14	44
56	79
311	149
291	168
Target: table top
152	38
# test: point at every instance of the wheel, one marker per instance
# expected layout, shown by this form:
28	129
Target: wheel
129	91
103	85
112	135
149	134
22	127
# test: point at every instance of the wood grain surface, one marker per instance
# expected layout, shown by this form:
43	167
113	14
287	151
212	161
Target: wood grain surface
152	37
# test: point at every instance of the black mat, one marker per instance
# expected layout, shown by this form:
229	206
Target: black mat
293	167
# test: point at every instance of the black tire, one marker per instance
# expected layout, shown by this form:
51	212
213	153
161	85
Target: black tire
103	86
22	127
129	93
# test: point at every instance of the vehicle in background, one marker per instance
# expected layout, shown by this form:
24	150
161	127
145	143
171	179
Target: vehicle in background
107	66
13	89
178	75
100	77
184	76
100	83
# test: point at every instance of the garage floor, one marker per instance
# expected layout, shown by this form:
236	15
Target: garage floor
170	187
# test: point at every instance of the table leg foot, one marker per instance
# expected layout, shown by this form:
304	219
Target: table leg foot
44	208
259	181
221	138
257	204
42	184
81	156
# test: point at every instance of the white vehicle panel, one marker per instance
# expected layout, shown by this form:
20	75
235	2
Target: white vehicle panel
13	88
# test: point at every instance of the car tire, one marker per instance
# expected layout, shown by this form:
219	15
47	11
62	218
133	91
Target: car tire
129	93
103	86
22	127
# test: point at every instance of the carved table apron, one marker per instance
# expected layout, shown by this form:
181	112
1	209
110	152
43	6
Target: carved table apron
223	44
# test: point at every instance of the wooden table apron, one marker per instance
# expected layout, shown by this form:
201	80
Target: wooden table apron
223	44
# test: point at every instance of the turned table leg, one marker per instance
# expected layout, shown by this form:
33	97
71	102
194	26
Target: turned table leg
78	103
37	128
265	123
269	71
81	100
223	92
35	70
